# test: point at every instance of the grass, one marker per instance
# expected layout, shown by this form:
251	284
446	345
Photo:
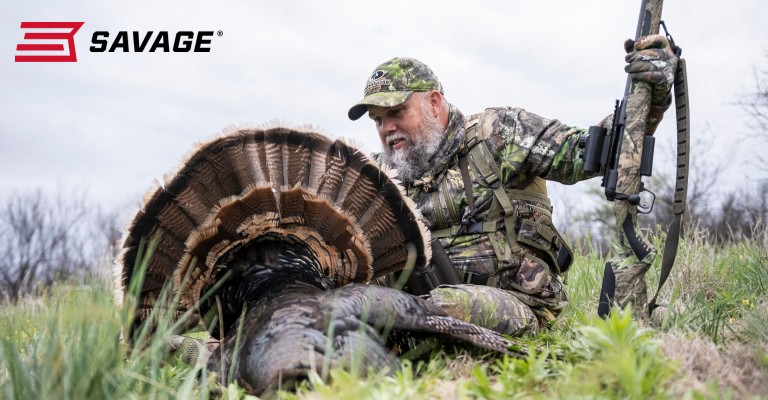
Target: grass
710	343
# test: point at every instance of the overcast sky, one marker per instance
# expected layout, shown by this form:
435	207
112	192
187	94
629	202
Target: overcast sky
114	122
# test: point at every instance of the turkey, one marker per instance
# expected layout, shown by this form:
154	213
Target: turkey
284	229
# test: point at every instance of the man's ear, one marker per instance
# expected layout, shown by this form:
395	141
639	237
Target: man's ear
439	107
436	100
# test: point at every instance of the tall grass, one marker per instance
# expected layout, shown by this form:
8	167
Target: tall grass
720	292
67	344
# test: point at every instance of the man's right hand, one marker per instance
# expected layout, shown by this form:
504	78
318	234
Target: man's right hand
651	59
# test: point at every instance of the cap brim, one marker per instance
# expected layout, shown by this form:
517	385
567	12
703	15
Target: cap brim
382	99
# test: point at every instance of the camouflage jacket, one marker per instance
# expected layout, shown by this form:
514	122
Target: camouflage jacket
524	147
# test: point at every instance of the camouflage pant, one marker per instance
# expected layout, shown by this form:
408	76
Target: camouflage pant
629	271
631	287
488	307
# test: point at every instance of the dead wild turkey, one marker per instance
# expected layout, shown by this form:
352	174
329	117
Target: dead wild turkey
298	224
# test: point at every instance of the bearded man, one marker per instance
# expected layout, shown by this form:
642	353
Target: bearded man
479	182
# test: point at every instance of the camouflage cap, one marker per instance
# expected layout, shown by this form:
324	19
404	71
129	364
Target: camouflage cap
393	82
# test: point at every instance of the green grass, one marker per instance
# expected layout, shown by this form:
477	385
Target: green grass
66	345
710	343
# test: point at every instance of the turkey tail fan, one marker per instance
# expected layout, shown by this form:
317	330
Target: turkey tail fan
257	186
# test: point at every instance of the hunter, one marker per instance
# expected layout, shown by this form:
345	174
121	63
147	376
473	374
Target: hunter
479	181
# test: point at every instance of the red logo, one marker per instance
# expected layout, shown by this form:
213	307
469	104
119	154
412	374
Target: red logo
56	31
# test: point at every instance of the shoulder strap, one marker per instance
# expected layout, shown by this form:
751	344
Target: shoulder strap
467	183
681	183
479	155
487	171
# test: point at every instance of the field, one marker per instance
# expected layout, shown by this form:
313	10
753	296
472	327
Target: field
711	342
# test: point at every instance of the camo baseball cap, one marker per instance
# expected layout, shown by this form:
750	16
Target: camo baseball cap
393	83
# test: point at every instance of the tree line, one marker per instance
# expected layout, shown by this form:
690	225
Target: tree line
45	238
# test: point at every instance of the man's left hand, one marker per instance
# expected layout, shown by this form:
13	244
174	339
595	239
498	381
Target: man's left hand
651	59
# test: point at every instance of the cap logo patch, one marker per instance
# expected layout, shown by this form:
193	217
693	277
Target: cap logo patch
376	82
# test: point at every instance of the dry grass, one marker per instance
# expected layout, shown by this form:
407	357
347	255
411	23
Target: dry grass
737	369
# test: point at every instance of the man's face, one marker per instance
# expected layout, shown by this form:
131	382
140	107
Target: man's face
410	135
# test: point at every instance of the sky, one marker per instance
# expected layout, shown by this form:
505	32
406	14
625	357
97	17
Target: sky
115	122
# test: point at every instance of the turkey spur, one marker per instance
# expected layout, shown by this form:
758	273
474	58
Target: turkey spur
285	229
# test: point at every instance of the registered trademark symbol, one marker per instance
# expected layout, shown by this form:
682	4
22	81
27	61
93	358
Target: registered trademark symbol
219	33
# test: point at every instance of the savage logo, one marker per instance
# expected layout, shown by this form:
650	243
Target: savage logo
55	33
182	41
48	51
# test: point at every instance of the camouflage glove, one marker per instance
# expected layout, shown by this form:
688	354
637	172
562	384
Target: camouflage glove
651	59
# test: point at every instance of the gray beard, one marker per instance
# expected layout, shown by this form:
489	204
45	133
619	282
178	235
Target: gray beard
412	162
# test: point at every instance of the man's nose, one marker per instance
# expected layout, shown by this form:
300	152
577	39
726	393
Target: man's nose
387	126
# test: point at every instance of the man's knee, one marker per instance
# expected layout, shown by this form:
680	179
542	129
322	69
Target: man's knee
488	307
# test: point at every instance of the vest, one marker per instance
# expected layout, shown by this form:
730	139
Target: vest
512	244
524	212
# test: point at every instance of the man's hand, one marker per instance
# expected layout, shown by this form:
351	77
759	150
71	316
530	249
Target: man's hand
651	59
